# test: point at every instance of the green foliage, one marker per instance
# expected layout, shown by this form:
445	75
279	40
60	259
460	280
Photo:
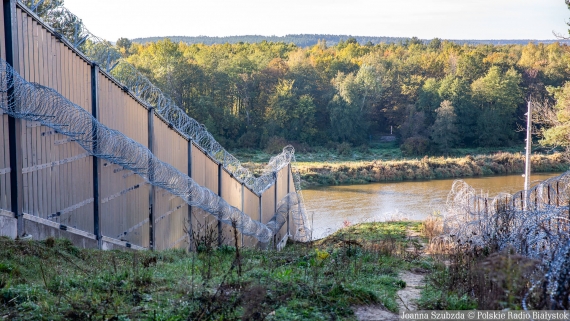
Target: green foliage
246	93
444	131
559	133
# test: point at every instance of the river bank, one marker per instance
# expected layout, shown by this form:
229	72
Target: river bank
328	167
360	172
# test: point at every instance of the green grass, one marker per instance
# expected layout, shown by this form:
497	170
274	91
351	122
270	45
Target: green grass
53	280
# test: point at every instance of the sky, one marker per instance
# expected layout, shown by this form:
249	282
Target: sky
426	19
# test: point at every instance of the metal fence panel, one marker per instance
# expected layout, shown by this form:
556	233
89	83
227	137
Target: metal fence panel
231	193
56	170
124	195
251	208
171	212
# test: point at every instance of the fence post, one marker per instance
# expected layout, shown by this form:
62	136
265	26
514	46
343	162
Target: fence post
14	125
220	195
288	191
189	206
151	178
96	162
242	208
260	214
275	175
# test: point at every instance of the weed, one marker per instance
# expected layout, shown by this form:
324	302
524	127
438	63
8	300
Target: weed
357	265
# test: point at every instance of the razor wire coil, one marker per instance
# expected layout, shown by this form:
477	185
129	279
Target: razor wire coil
102	52
534	223
33	102
67	25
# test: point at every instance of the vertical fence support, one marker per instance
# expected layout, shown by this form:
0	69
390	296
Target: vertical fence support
261	245
220	195
151	204
190	231
288	191
96	162
275	176
242	206
14	125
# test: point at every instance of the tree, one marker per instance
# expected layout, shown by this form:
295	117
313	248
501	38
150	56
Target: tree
555	121
444	131
124	45
435	44
43	7
497	95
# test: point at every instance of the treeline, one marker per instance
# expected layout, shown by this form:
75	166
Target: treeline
308	40
434	96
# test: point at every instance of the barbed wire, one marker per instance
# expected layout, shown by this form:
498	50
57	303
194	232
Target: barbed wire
102	52
534	223
109	59
33	102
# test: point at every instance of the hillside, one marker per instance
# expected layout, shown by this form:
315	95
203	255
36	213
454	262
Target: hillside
307	40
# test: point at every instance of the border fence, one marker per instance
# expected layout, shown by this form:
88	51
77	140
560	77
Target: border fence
50	185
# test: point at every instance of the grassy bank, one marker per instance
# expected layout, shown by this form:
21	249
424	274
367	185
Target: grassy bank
328	167
356	266
360	172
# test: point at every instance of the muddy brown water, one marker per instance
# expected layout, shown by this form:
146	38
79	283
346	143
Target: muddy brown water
329	207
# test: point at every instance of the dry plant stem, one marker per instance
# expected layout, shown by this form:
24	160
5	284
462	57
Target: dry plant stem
238	257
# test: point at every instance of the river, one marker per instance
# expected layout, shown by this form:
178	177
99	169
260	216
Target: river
329	207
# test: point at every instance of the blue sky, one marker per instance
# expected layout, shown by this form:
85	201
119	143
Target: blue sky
427	19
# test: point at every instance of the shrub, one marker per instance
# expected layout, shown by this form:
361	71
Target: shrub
344	149
275	145
415	146
249	140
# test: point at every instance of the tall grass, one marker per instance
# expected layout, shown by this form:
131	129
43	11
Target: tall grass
426	168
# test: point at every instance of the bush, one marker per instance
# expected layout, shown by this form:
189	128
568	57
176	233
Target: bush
415	146
344	149
249	140
275	145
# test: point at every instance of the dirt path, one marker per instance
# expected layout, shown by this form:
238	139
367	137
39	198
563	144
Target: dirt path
406	297
406	300
411	293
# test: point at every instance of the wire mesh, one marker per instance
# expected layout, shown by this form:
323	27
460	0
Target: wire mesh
534	223
33	102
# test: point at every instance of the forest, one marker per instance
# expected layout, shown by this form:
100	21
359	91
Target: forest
307	40
432	96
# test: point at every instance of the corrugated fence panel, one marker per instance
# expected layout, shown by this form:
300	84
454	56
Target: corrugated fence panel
200	220
57	181
205	173
124	195
231	193
171	212
281	185
268	205
58	173
251	208
292	227
5	204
